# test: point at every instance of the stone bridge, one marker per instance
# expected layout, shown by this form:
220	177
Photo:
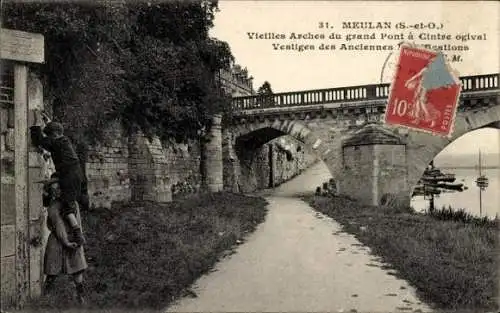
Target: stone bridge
325	119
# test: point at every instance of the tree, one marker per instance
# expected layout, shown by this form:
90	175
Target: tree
266	93
265	89
150	66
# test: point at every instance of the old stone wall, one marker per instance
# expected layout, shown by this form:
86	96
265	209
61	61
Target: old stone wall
107	169
138	168
374	174
290	163
359	167
393	173
272	164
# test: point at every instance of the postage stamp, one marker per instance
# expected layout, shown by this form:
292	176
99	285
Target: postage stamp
424	93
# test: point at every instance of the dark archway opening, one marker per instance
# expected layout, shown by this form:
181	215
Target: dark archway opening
256	139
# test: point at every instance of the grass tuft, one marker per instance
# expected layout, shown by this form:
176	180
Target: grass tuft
460	215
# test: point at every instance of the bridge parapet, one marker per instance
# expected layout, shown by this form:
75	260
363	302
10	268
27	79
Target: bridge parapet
350	96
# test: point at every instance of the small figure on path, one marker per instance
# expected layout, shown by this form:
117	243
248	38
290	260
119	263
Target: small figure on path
61	255
66	163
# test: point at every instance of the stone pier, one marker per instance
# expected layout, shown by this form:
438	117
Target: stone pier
375	168
213	165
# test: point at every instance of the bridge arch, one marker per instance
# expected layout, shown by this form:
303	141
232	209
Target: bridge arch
258	133
422	148
253	135
249	136
322	120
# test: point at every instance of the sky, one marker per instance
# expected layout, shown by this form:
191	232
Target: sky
476	30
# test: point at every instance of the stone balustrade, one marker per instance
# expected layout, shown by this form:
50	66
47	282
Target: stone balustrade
354	96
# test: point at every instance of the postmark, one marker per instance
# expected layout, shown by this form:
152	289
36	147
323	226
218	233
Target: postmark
424	93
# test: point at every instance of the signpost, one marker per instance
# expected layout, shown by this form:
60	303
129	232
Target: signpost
21	46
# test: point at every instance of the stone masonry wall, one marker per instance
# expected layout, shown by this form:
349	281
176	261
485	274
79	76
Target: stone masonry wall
256	167
253	170
359	172
141	169
374	174
107	170
393	171
285	168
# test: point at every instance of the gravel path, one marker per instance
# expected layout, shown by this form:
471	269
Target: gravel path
299	260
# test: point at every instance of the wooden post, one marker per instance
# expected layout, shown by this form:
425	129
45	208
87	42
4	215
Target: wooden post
21	180
21	48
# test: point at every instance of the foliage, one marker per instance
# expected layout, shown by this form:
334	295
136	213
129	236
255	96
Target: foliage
266	93
150	66
265	89
460	215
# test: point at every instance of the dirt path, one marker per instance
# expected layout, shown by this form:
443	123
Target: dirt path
298	260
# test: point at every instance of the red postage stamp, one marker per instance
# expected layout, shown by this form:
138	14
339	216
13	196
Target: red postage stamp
424	93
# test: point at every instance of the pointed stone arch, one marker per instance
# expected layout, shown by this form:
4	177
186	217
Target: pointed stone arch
422	148
252	135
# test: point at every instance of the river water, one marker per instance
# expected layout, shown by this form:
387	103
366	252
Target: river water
468	199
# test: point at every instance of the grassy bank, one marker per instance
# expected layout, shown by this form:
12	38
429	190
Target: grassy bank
452	263
144	255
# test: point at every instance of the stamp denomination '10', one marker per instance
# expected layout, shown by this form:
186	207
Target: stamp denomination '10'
424	92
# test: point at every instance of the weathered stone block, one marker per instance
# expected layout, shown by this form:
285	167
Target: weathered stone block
8	280
8	240
10	117
10	143
35	192
36	257
4	117
8	206
2	143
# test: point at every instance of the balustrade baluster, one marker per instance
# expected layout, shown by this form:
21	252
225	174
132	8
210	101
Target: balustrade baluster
468	84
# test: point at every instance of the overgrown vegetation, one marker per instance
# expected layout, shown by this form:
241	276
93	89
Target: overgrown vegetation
460	215
451	261
144	255
149	64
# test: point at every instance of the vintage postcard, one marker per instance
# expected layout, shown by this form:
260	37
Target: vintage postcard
249	156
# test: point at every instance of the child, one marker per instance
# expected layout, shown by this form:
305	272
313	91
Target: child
51	194
67	165
61	255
